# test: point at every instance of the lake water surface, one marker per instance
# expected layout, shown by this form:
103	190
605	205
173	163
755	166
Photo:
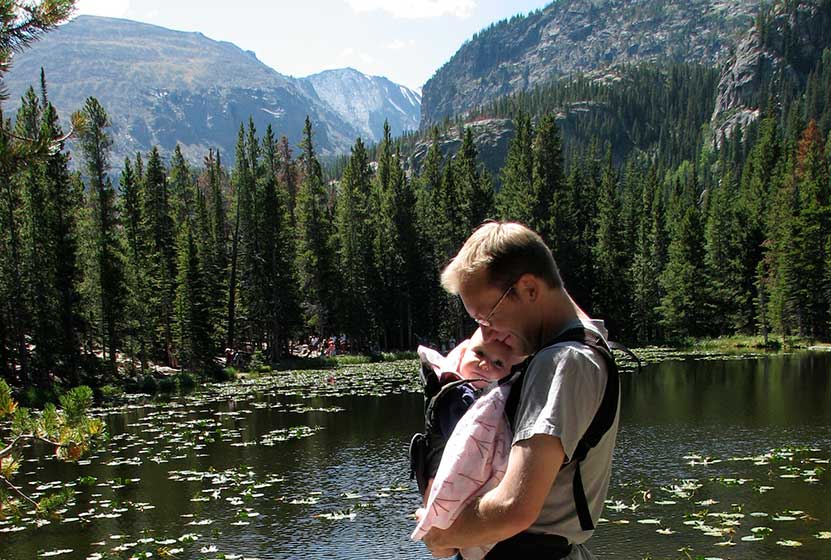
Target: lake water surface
314	466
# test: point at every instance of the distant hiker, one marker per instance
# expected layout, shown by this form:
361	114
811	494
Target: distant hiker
563	405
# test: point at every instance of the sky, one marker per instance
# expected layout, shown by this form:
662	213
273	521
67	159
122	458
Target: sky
403	40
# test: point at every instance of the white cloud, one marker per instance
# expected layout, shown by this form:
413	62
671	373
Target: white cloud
398	44
416	9
346	53
106	8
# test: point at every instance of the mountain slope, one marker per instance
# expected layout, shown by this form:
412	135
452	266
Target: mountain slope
571	36
777	55
366	101
161	87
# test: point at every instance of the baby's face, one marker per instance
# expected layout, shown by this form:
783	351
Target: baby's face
492	360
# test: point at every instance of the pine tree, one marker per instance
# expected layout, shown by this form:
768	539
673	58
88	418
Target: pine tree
723	238
180	191
754	194
475	190
14	324
608	300
314	254
279	284
388	261
680	307
430	223
194	344
404	219
240	178
217	266
811	228
139	287
157	214
516	200
105	281
66	202
355	259
547	176
39	300
644	271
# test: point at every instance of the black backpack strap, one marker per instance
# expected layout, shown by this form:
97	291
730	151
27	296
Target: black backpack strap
427	448
621	348
518	378
429	414
601	423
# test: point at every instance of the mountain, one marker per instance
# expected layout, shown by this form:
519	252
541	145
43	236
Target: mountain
366	101
776	55
581	36
162	87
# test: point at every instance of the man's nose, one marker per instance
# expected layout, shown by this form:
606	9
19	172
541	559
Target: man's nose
488	333
483	364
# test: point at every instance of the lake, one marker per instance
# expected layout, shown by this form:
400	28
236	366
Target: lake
723	457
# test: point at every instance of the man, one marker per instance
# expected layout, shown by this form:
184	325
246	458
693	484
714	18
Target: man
510	285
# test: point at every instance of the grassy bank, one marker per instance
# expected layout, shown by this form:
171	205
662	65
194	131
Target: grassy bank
740	343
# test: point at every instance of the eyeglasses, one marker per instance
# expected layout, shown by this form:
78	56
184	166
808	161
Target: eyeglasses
486	322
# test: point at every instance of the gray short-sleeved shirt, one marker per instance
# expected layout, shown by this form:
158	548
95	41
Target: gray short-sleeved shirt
561	393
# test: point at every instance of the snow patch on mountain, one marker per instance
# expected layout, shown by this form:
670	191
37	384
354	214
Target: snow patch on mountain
366	101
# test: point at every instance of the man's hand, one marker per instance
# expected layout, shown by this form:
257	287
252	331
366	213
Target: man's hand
512	506
431	538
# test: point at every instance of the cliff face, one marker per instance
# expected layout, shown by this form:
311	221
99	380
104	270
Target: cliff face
491	137
572	36
777	53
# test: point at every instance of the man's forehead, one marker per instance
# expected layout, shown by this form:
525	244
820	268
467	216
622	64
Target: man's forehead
475	283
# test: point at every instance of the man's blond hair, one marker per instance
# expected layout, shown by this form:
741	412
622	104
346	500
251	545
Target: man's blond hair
505	251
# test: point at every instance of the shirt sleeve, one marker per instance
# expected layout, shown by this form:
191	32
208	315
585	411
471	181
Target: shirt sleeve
561	394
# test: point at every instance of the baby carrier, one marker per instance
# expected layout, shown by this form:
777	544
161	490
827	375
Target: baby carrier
426	447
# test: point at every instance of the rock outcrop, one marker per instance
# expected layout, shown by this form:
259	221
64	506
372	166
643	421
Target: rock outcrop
777	53
571	36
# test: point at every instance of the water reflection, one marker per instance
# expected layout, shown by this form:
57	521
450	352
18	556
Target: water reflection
202	469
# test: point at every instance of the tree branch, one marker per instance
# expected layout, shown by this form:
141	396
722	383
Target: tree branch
17	490
9	448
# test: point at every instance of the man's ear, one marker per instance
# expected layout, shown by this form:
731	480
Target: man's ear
528	287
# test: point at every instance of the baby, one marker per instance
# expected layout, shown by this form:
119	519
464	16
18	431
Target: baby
476	434
472	359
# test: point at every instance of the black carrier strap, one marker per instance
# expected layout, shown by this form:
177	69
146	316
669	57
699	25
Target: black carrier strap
426	448
429	412
600	424
530	546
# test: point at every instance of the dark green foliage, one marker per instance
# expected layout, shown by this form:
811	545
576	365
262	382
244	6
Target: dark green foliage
104	281
610	297
279	299
353	212
517	200
658	227
159	229
315	264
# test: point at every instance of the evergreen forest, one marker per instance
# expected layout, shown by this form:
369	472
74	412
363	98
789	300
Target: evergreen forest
660	226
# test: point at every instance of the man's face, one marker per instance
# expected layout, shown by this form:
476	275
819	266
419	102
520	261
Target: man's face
509	322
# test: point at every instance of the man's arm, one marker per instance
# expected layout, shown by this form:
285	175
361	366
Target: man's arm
513	505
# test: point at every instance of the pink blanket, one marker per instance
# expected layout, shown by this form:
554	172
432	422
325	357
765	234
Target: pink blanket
473	463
